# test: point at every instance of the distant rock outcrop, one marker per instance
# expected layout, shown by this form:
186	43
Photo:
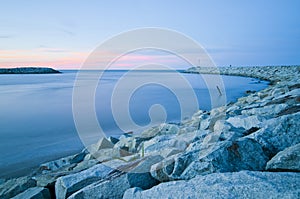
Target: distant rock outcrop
27	70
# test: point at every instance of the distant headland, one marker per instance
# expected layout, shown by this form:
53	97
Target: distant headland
28	70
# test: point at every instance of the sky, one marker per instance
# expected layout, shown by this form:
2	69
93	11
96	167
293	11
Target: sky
62	34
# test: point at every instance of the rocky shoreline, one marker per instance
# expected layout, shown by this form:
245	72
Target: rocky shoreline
28	70
246	149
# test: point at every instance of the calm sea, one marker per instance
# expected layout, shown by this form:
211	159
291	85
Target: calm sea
36	120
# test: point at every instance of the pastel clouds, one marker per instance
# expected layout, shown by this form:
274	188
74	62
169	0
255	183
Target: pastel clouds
56	58
67	59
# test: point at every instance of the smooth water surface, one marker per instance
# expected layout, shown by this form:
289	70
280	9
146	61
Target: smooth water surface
36	121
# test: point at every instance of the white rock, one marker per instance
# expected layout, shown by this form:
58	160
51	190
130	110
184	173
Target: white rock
221	125
244	121
163	142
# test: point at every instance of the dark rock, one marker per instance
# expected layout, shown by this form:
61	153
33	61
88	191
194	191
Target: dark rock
78	157
282	100
113	139
248	92
290	110
27	70
251	130
294	86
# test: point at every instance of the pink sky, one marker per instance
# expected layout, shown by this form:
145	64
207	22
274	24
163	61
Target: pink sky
41	57
64	59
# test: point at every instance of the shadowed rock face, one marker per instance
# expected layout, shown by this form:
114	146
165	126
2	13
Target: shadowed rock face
286	160
29	70
13	187
34	193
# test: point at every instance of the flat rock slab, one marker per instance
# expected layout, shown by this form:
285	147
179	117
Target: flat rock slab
34	193
67	185
135	174
244	184
115	186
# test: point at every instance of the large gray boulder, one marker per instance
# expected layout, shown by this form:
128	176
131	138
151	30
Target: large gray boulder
245	122
114	187
286	160
278	133
66	185
243	184
135	174
34	193
227	156
15	186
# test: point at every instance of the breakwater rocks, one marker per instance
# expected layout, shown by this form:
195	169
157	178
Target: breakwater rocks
27	70
246	149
